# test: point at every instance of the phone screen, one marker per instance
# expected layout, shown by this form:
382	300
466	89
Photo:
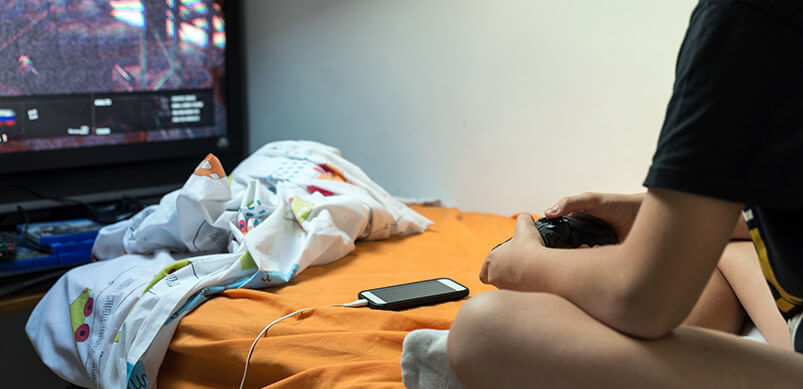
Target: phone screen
412	291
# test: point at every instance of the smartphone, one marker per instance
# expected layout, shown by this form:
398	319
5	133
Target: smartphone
414	294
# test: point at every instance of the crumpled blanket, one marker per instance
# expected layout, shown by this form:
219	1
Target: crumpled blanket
289	205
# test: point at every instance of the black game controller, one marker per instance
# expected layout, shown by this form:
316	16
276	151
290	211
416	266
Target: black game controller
573	231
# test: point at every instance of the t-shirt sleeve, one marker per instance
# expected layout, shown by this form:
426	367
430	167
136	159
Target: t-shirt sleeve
734	125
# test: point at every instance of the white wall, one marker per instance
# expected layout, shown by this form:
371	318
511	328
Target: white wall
490	105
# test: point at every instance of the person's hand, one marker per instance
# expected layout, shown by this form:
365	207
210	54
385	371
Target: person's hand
506	266
618	210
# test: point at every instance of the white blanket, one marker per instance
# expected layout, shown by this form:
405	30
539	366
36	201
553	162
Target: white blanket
290	205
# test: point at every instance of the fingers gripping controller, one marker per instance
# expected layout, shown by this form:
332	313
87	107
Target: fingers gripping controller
573	231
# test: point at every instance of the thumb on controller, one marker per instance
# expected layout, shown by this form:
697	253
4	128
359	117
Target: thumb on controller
570	204
525	227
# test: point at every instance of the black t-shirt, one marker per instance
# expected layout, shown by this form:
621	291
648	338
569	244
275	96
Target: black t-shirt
734	127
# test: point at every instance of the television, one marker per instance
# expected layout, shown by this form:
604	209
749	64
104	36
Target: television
105	99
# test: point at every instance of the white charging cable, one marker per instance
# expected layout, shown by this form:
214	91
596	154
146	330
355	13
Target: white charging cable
354	304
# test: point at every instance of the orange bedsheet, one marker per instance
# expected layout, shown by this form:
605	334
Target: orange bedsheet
332	347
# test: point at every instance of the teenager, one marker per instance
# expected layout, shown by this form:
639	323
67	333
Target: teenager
732	143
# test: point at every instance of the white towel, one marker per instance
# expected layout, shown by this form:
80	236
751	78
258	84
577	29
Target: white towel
424	361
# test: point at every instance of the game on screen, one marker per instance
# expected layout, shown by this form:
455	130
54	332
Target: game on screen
79	73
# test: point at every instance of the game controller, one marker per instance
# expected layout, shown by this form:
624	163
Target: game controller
573	231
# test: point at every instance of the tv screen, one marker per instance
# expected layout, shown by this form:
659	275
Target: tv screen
115	97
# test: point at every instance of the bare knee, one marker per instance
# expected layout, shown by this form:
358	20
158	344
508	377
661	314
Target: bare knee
470	332
483	334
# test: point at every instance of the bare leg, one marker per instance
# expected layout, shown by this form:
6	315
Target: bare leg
513	339
736	291
718	307
740	266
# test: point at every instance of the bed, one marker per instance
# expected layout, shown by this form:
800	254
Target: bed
332	347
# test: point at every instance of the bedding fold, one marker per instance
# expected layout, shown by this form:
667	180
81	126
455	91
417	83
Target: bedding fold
333	347
288	206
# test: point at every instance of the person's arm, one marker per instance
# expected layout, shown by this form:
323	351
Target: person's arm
644	286
619	210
